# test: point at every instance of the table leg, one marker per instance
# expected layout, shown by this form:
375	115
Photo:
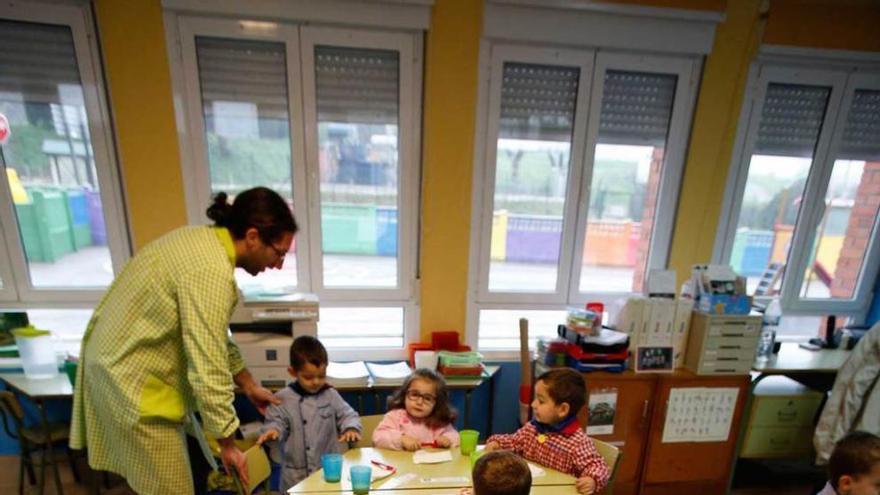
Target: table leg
50	452
492	403
467	407
740	438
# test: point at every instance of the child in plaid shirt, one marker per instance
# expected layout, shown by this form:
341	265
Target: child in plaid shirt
554	437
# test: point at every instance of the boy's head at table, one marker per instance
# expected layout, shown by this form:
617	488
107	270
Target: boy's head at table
854	467
308	363
559	394
501	473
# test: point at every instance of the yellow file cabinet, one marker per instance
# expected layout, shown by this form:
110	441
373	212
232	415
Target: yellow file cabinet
782	420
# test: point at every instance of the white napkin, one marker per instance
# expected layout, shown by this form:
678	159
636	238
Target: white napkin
428	457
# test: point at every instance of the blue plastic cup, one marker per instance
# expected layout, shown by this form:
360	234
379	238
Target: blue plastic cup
360	479
332	464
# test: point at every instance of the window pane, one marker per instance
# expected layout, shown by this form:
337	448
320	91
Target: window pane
247	133
851	203
49	161
358	105
359	328
627	168
499	328
788	132
531	175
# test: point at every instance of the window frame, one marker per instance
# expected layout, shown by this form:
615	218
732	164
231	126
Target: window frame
500	55
19	292
593	64
196	167
844	79
300	38
686	69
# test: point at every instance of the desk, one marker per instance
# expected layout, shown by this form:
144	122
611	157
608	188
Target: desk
468	385
792	359
57	387
448	476
796	363
536	490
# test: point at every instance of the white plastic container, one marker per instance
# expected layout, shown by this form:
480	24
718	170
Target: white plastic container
37	351
426	359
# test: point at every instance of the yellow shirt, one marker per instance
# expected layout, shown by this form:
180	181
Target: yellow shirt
156	348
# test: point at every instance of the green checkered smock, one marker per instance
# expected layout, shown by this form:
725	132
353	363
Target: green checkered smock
156	349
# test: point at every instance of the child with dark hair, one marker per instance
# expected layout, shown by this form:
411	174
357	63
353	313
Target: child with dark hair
500	473
312	419
854	467
418	415
554	438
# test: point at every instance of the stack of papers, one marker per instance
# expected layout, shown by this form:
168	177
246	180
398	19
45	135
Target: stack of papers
354	374
389	374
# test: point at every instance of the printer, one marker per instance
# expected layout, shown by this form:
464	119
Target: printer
264	328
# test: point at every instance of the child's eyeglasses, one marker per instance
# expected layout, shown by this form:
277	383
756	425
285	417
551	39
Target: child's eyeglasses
426	398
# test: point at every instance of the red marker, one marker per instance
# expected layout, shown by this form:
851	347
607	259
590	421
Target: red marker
387	467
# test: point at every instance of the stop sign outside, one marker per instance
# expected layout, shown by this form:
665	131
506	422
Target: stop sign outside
4	129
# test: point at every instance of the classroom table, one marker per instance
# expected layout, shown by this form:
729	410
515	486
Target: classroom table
39	391
802	365
468	385
536	490
420	479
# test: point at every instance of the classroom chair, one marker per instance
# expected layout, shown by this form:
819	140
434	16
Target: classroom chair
369	424
612	456
33	439
259	471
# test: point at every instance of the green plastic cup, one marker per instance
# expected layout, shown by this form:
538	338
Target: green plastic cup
475	455
468	441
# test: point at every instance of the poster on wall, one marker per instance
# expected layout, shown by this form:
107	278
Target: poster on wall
699	414
602	408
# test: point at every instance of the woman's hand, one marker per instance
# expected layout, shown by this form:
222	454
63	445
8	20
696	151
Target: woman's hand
233	459
261	398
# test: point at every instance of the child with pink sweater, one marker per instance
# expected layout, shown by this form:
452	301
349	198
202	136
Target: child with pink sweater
418	416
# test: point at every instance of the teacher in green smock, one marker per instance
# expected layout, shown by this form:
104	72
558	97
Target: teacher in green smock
157	348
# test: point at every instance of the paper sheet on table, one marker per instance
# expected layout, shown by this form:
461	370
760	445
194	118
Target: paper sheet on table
428	457
537	472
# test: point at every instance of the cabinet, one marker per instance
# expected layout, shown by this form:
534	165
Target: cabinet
632	418
649	466
690	467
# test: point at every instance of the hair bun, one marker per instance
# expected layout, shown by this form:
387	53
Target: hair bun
219	210
220	198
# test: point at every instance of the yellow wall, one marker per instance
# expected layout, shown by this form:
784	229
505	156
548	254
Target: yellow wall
834	24
139	82
713	131
135	61
452	53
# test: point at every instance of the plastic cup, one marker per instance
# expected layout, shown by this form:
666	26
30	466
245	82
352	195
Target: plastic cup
468	441
332	464
360	479
475	455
